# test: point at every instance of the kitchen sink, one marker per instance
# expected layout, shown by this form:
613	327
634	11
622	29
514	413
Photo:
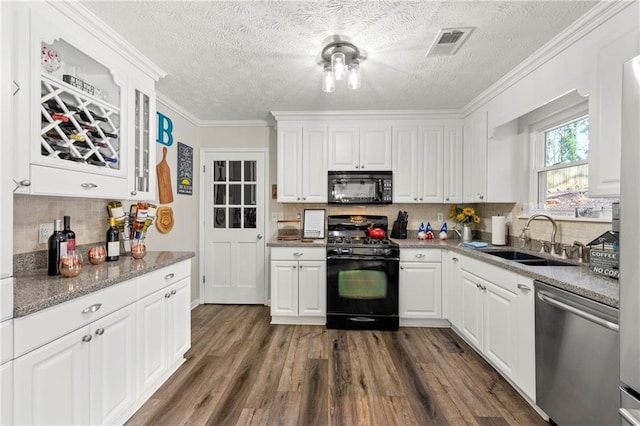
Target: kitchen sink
526	258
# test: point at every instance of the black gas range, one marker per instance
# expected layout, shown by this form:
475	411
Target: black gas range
362	274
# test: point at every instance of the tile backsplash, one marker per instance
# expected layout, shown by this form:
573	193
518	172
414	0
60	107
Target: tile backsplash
89	219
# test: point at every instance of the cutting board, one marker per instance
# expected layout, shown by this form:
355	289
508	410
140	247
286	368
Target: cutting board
165	192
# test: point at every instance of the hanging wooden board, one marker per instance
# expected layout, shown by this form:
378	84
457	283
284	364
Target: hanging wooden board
165	192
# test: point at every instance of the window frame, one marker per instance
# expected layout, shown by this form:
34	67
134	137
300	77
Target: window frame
537	142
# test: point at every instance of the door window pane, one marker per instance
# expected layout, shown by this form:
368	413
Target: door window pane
235	217
220	171
220	194
220	216
235	195
250	171
250	217
235	171
249	194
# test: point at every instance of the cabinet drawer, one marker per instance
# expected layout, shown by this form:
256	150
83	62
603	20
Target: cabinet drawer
54	181
420	255
156	280
298	253
6	341
45	326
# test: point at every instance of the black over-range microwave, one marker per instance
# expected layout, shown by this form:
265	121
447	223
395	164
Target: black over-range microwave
360	187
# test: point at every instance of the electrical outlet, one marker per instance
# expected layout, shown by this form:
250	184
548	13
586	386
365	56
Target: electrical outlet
274	217
440	217
44	232
281	216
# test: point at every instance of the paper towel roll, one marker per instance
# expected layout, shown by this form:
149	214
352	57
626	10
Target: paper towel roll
498	230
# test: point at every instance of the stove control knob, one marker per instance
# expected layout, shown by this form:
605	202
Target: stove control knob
387	252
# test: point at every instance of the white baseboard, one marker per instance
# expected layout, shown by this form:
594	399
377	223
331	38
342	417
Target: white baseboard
195	304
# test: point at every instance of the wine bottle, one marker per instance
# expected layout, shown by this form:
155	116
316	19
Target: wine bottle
113	241
87	119
57	246
69	234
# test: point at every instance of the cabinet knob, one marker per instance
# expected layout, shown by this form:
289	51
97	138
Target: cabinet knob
259	236
294	267
167	295
420	198
173	292
402	267
87	338
304	198
446	199
134	193
481	196
169	276
455	259
415	199
298	198
19	184
362	167
100	331
88	185
357	167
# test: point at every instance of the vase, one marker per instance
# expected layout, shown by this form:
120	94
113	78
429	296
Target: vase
467	232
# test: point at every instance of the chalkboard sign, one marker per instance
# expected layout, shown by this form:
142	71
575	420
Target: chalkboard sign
185	169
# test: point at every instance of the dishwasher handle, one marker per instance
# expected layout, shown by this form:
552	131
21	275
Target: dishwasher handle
625	414
546	297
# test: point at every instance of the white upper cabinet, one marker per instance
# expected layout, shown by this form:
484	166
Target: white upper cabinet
605	110
453	149
364	147
302	164
76	108
474	175
419	164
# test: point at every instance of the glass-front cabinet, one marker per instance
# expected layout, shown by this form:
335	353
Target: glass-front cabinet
84	111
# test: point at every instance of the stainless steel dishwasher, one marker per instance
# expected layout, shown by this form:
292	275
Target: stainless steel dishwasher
577	358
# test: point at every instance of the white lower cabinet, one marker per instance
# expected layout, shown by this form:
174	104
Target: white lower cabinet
83	377
6	393
104	354
496	316
163	334
298	285
420	286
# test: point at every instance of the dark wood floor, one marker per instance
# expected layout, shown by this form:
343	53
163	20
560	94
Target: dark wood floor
242	370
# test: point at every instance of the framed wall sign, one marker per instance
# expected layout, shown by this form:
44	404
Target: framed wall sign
185	169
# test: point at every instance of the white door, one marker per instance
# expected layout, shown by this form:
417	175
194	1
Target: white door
234	211
471	308
284	287
420	290
312	288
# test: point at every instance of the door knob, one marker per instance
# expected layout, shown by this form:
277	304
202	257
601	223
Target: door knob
259	236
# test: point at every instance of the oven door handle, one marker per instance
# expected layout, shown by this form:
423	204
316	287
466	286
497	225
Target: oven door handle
350	257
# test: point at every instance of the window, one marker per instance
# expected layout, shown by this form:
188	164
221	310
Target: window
561	166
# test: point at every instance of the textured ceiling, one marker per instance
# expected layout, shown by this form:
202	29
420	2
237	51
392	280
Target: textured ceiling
238	60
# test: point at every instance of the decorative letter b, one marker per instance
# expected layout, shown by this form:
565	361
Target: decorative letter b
165	130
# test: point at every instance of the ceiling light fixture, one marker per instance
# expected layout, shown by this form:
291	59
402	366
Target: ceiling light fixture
340	59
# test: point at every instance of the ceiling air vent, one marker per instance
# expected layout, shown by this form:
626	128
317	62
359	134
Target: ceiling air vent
448	41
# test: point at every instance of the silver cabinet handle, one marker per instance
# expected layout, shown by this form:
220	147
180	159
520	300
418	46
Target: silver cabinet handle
304	198
484	288
545	297
455	259
446	199
173	292
100	331
91	308
420	255
17	88
298	254
167	295
402	267
20	184
88	185
625	414
523	287
415	199
298	198
478	285
481	196
134	193
294	267
87	338
169	276
259	236
420	198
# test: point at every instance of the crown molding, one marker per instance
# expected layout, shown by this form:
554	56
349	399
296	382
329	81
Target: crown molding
595	17
81	15
168	102
367	115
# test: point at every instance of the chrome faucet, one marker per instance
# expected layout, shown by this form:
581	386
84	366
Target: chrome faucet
523	234
583	252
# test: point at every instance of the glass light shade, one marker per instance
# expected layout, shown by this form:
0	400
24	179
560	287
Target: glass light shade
338	65
353	75
328	80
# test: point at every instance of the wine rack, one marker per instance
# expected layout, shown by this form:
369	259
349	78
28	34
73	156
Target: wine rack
78	127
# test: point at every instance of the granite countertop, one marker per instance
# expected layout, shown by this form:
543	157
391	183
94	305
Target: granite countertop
322	243
575	279
35	290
